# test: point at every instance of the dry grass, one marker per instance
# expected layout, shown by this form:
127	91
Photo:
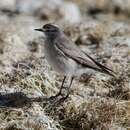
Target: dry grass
119	87
100	114
31	75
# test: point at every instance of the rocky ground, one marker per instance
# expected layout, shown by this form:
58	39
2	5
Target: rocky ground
98	102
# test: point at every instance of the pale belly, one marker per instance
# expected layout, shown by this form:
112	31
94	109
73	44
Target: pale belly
59	62
62	64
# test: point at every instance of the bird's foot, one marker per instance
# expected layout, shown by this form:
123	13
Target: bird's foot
60	97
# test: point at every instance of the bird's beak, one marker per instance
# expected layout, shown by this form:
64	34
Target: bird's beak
39	29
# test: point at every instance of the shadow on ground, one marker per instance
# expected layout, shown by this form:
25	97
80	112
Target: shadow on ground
19	100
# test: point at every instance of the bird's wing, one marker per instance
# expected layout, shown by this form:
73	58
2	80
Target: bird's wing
73	52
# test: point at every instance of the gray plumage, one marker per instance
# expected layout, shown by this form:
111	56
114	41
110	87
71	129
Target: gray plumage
65	57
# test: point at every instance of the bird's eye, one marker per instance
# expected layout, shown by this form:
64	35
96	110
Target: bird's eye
50	28
47	27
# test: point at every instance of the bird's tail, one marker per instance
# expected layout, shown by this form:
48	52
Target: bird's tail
102	68
106	70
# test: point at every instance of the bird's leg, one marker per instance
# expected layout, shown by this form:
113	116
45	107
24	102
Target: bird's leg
60	91
61	88
68	90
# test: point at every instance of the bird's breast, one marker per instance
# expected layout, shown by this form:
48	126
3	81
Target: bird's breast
58	61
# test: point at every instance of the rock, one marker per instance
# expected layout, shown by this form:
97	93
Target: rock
28	6
32	6
7	4
70	12
116	7
64	11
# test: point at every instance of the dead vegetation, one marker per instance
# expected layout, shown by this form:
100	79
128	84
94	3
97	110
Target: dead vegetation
96	102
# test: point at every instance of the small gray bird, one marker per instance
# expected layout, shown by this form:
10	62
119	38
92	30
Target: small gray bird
66	58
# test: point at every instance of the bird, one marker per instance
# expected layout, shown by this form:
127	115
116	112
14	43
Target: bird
66	58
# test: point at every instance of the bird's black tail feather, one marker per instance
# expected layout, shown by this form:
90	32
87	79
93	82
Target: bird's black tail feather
103	68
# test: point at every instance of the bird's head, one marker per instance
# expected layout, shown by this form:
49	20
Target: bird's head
51	31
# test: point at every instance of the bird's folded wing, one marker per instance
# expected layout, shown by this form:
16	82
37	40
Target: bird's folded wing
73	52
